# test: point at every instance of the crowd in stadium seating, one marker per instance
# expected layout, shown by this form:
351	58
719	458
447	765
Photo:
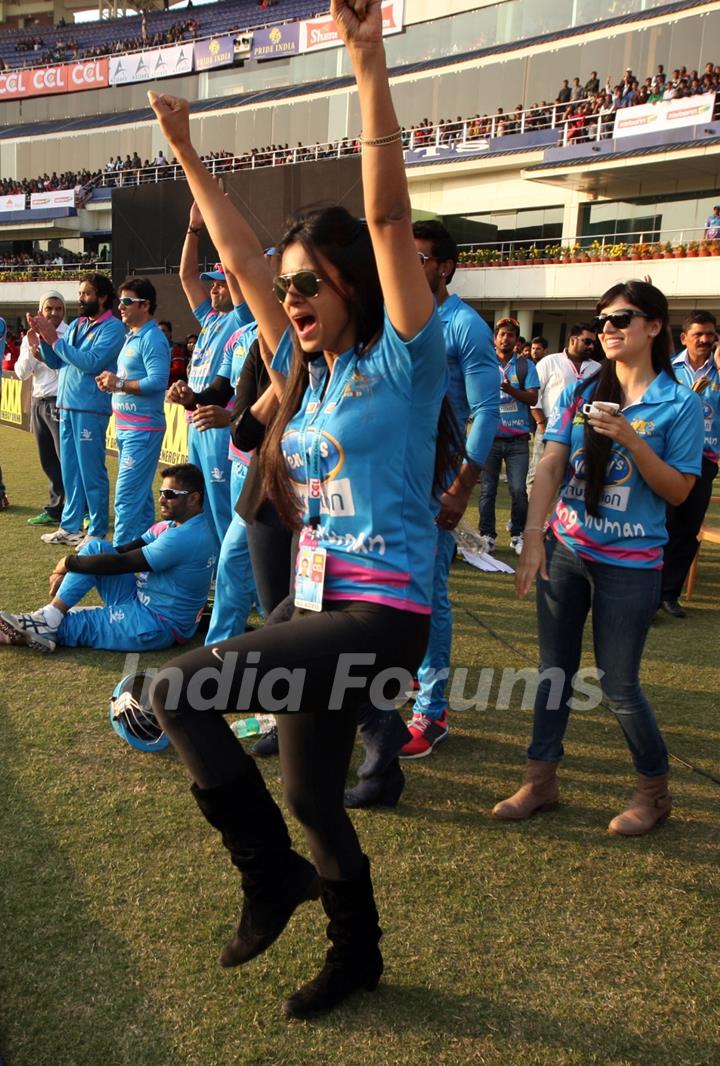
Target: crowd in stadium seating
59	258
66	51
576	112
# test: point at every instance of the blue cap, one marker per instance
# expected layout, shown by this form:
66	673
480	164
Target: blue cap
216	274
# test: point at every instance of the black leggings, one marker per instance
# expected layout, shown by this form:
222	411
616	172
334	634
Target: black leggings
269	544
192	694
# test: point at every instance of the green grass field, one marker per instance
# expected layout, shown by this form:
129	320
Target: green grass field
548	942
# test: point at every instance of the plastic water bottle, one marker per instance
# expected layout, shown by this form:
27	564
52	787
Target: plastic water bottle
252	725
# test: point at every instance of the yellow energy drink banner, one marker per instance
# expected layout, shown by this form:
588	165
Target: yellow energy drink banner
15	402
15	411
175	442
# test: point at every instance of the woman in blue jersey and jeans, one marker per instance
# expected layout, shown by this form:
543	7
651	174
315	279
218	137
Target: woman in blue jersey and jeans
623	443
349	462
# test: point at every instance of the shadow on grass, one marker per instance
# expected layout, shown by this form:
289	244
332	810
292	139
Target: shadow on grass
402	1008
61	962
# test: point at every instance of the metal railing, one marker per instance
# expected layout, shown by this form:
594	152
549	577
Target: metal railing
50	271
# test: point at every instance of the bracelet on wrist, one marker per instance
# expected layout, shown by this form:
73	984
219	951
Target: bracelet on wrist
380	142
533	529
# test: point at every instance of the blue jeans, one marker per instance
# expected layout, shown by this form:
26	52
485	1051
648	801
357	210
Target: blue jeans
516	454
622	601
434	669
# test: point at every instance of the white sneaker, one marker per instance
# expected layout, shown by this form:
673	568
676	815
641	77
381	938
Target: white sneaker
62	536
88	539
486	544
29	629
516	543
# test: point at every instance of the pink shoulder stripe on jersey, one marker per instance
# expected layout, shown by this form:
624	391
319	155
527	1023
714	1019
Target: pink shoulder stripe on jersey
158	527
337	567
385	601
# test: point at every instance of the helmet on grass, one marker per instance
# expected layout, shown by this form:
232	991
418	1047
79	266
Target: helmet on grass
132	716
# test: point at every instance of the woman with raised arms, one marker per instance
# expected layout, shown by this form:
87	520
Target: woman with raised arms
350	462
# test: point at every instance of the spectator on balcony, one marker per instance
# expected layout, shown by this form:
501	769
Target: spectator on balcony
576	93
592	85
712	224
565	93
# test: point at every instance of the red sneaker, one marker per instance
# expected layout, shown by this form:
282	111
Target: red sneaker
426	733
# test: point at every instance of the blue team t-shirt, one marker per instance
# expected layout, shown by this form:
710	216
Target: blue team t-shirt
630	527
145	358
474	373
515	418
377	421
182	558
215	328
235	353
710	400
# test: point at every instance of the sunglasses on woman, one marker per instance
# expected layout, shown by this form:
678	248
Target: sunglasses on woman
305	282
619	319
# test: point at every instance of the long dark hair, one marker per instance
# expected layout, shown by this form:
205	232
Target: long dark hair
344	241
597	448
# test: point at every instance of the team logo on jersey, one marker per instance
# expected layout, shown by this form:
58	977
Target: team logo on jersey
332	454
86	434
116	616
217	475
619	468
128	462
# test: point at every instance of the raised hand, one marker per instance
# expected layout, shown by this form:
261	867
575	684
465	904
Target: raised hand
173	114
359	22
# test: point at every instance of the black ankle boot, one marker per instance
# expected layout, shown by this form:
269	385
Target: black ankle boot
354	961
381	790
380	779
275	879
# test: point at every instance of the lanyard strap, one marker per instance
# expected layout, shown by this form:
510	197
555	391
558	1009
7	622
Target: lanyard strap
313	456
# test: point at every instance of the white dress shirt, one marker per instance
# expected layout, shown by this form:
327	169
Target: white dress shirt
556	372
44	379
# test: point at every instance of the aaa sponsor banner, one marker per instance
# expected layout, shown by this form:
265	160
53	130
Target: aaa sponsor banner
217	52
55	198
276	42
16	202
322	32
667	115
62	78
15	401
151	65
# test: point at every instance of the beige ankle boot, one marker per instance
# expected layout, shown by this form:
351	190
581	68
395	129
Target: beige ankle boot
650	805
539	792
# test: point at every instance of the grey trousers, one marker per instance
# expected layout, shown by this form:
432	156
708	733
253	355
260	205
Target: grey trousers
46	427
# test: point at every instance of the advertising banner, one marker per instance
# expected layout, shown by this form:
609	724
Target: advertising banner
15	401
56	198
217	52
15	202
62	78
152	64
667	115
276	42
322	32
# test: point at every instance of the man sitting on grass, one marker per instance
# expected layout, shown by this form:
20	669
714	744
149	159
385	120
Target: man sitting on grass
153	589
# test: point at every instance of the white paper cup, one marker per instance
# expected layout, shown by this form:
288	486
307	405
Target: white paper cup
601	407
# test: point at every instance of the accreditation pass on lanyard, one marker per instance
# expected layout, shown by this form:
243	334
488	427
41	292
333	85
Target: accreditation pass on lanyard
311	557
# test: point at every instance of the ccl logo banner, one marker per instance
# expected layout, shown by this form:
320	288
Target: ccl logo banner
47	81
11	403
